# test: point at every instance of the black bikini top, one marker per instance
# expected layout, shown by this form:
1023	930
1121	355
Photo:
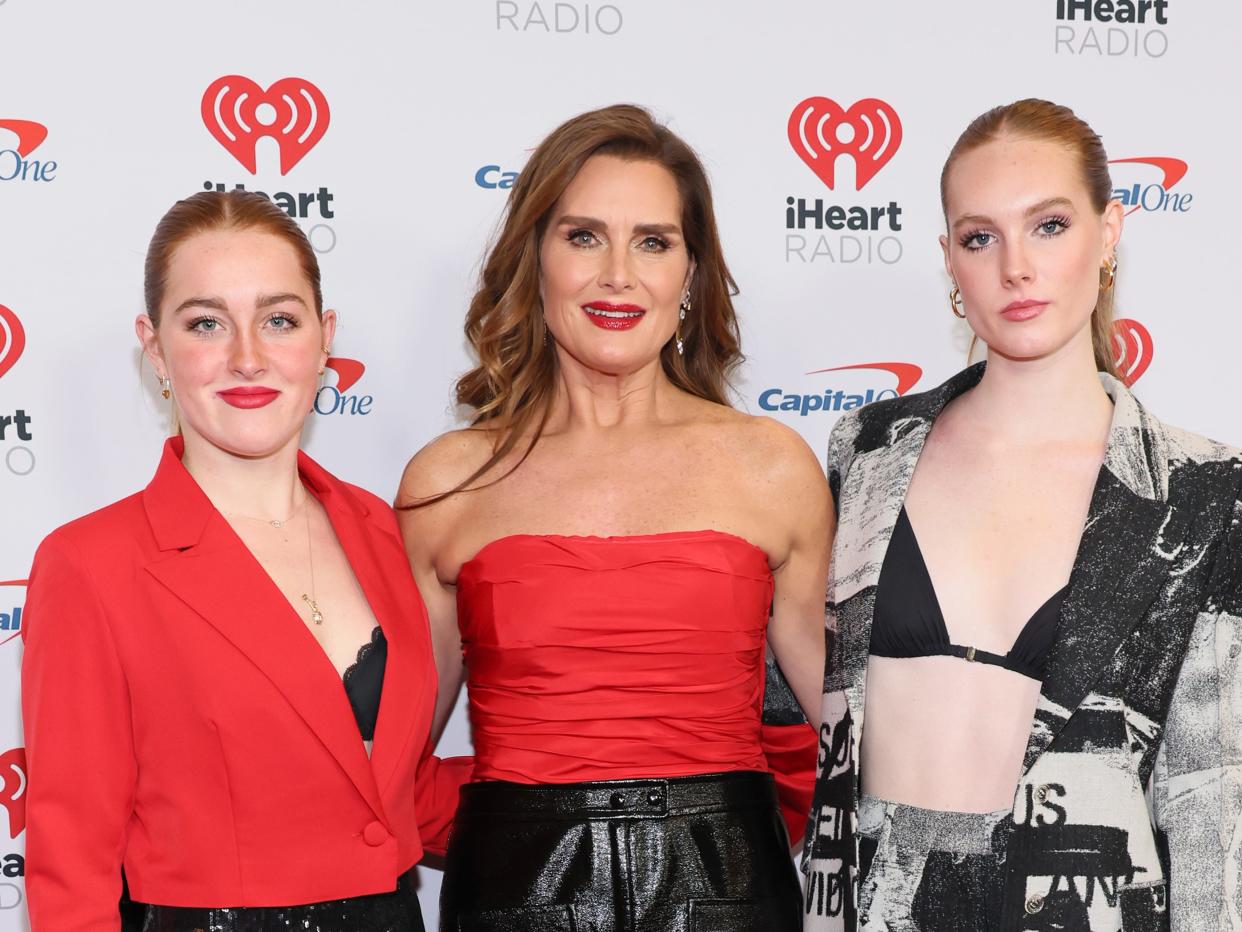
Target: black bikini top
908	621
364	681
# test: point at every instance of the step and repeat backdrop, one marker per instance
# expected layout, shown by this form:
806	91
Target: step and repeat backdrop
393	132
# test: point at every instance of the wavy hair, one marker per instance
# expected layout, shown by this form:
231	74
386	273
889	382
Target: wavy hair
512	387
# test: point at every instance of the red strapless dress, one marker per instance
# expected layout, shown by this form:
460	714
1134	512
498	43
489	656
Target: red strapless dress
607	658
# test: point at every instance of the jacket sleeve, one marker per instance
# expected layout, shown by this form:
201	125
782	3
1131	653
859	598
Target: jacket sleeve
1197	780
79	749
437	788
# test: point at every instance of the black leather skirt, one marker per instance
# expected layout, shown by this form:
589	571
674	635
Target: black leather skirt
381	912
689	854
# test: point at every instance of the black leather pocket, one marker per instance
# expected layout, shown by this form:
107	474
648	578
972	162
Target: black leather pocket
520	919
735	914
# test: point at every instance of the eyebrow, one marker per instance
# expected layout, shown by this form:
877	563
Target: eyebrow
219	304
1050	203
591	223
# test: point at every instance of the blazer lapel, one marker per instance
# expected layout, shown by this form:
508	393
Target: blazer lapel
1130	537
379	563
208	567
875	489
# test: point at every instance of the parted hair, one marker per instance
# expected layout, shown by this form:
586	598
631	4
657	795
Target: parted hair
1043	120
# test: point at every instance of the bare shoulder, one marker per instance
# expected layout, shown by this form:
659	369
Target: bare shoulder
776	452
444	463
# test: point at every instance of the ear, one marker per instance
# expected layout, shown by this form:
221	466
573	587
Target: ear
685	288
328	323
948	265
149	340
1114	220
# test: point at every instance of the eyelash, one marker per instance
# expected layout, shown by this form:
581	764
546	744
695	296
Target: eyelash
661	244
193	325
970	237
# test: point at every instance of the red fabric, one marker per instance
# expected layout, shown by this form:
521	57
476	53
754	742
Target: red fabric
182	722
791	751
605	658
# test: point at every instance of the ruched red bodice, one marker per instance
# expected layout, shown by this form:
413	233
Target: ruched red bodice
604	658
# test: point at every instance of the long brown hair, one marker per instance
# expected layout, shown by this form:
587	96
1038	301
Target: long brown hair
221	210
1043	120
512	387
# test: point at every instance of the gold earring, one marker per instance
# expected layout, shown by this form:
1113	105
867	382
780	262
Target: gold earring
166	387
955	302
1109	267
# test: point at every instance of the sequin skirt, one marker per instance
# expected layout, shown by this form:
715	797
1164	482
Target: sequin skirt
922	870
688	854
381	912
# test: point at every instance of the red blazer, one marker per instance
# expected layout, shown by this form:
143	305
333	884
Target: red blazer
181	720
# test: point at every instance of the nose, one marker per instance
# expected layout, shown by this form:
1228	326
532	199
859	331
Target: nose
247	358
1017	268
616	274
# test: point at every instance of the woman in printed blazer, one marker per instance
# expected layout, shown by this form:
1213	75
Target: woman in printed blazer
1102	784
185	714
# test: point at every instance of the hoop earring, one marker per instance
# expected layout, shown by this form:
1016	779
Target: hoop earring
166	388
955	302
1110	267
681	316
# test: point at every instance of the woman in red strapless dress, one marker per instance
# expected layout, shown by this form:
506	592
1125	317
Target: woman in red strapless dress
612	550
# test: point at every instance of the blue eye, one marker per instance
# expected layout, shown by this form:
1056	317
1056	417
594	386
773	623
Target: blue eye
654	244
582	238
977	240
204	325
282	322
1052	226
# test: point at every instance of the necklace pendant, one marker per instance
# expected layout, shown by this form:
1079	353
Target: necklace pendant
316	614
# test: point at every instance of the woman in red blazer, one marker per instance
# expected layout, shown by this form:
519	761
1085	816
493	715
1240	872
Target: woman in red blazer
186	715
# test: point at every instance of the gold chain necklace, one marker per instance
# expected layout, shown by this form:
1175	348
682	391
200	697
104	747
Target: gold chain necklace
279	524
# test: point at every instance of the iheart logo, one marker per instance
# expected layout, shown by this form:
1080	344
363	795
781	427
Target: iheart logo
297	119
13	788
1132	349
872	135
30	135
348	371
907	373
12	339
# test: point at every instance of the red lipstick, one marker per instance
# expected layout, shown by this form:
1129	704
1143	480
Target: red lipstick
249	396
1023	310
611	316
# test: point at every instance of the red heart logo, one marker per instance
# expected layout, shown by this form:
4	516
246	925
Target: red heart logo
12	339
814	132
1132	349
230	112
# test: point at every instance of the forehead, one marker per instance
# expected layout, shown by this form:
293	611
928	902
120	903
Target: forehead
613	188
219	262
1011	173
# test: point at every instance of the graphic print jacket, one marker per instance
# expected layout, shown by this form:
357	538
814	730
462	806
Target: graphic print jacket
1128	812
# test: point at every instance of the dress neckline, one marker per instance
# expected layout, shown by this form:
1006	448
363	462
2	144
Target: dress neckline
617	539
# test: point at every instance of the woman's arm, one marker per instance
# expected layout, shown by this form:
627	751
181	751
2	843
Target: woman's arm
801	501
79	749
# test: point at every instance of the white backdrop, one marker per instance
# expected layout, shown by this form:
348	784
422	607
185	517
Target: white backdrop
421	113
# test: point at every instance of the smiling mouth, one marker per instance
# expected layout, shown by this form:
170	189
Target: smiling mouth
614	316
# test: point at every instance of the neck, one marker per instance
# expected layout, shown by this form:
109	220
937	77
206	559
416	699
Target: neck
1054	397
587	399
266	487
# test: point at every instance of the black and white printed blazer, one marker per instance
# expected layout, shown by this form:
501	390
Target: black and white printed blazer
1129	806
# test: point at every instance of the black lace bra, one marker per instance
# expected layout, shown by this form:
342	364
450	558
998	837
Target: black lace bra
364	681
908	621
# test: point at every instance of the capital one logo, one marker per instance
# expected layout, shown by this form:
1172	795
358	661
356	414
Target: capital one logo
13	788
1146	184
15	161
836	400
336	399
821	131
238	113
1132	349
12	339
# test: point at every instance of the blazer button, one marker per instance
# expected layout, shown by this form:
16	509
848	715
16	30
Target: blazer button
1034	903
375	834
